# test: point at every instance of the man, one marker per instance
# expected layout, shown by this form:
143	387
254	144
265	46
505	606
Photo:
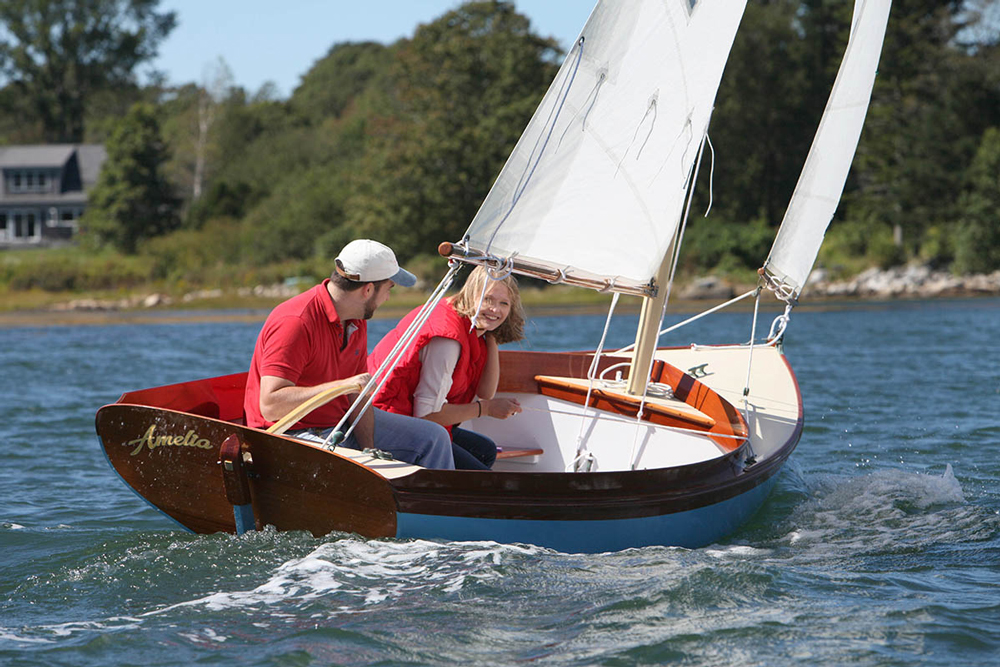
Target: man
319	340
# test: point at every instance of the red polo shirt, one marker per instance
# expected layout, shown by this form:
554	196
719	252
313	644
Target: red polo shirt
303	342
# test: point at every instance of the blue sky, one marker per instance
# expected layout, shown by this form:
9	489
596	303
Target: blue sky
279	40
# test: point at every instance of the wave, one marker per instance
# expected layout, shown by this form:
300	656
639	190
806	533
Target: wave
355	571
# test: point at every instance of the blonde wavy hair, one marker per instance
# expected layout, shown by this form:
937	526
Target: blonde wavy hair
466	302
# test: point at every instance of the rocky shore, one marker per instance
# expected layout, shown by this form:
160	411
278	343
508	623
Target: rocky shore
907	282
904	281
280	291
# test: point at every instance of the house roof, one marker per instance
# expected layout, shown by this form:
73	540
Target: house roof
50	155
89	157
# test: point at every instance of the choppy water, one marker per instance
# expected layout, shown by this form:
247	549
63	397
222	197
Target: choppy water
880	546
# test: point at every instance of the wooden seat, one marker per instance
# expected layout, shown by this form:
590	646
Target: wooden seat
657	410
513	453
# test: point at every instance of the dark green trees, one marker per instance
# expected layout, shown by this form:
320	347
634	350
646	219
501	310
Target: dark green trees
132	200
58	53
977	243
465	87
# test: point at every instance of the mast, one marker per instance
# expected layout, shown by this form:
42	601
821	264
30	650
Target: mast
648	333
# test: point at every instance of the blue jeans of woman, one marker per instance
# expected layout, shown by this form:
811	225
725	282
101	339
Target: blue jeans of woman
472	451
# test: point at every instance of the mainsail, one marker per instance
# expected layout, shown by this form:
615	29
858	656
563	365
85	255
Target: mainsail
595	187
822	179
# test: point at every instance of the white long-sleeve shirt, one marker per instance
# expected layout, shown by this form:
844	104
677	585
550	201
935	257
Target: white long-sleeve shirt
438	359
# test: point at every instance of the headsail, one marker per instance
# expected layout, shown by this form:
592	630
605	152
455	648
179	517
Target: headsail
822	180
595	187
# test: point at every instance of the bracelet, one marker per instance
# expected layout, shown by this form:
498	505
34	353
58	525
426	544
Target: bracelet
480	404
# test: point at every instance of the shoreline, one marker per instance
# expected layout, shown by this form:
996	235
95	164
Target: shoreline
51	317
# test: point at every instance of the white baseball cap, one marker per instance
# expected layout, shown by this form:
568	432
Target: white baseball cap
366	261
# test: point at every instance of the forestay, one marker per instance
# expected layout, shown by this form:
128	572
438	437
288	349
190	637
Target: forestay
822	180
596	185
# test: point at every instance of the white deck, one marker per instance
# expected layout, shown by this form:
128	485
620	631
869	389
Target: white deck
555	426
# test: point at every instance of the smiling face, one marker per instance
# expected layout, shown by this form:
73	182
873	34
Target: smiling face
496	308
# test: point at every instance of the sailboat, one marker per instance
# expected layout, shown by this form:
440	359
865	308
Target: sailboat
614	448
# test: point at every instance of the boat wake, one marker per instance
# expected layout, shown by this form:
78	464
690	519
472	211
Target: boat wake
886	512
355	574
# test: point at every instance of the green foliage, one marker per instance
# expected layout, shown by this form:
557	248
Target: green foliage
132	200
977	244
764	118
194	256
715	244
858	243
69	270
932	101
401	142
288	224
60	52
338	79
465	87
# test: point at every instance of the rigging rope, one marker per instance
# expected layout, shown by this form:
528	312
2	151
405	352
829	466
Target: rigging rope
529	169
746	387
584	460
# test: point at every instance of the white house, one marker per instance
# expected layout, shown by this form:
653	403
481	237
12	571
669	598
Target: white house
43	191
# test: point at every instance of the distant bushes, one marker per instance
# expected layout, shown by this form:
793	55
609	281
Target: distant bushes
723	247
71	270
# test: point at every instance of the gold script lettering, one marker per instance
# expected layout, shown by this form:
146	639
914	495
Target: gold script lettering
152	441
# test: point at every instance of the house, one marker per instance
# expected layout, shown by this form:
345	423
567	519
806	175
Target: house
43	191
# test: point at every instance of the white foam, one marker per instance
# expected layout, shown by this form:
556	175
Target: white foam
68	629
882	510
367	572
738	550
8	636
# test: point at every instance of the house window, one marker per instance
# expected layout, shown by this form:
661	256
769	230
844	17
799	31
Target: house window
29	181
3	226
25	225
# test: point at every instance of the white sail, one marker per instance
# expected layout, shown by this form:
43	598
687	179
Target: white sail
595	186
822	179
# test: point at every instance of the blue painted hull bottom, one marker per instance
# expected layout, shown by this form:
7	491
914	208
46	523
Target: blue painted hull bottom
692	528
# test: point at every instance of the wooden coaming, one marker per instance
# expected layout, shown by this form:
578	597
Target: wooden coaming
530	372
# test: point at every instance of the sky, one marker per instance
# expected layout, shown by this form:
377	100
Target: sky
279	40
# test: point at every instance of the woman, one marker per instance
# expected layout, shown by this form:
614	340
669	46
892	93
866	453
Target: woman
450	373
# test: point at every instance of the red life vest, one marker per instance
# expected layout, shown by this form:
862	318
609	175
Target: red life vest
397	393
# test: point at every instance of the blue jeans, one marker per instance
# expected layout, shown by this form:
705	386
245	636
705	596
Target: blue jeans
409	439
472	451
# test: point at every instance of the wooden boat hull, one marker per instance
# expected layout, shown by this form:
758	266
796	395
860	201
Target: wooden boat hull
172	458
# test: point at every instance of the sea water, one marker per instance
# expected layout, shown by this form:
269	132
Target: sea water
879	546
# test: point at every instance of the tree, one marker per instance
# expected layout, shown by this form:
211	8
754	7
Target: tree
931	103
465	87
132	200
977	246
764	118
337	79
57	53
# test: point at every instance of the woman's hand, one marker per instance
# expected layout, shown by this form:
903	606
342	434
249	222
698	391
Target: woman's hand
500	408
